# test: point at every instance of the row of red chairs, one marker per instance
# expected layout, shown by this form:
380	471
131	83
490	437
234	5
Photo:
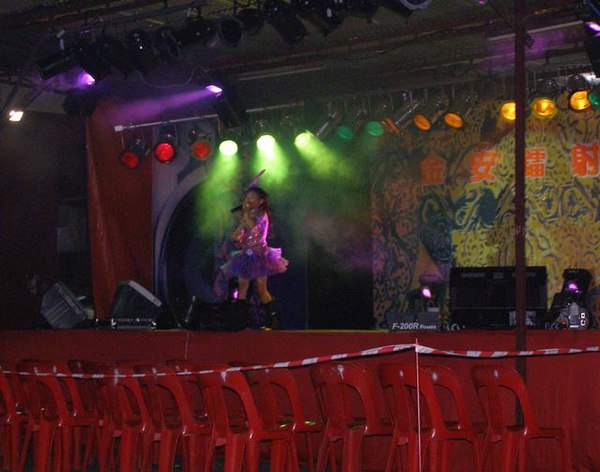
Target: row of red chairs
134	416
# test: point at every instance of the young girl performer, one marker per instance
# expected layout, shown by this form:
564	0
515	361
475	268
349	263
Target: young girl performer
255	260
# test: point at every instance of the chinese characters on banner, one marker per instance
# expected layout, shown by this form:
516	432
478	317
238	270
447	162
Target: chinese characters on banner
585	161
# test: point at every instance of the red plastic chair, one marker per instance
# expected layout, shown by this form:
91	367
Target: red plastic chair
242	440
352	410
438	431
180	426
276	393
130	419
14	417
62	414
500	390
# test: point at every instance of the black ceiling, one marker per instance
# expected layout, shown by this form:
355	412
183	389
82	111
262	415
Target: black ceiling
449	41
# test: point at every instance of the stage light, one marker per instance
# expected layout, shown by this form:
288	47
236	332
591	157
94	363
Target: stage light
426	292
578	89
374	128
455	115
544	104
265	142
252	19
508	110
141	49
197	30
281	16
430	113
227	104
91	61
398	120
569	307
594	97
344	132
115	53
328	122
165	149
231	30
228	147
303	138
200	146
15	115
133	155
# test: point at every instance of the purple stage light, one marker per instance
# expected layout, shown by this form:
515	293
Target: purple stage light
572	286
214	89
426	292
84	80
594	27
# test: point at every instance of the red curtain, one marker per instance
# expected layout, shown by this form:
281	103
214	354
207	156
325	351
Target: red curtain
120	209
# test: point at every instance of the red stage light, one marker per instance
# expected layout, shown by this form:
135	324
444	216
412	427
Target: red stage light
164	150
201	149
133	155
130	159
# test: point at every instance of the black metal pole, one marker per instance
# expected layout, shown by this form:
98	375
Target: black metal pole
521	107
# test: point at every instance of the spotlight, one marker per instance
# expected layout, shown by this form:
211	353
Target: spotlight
164	149
198	30
252	19
374	128
544	104
329	122
228	147
431	112
15	115
231	30
303	138
569	306
455	115
200	145
508	110
113	51
594	97
427	297
141	50
281	17
167	44
91	61
133	155
400	119
265	142
578	89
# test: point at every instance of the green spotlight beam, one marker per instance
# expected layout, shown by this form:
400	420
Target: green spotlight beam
218	194
322	161
274	160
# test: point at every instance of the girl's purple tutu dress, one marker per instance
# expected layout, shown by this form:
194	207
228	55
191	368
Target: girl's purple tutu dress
255	258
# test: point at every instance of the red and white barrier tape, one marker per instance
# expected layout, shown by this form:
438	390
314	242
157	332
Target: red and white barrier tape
376	351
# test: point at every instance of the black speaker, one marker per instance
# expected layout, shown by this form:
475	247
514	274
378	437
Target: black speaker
133	305
226	316
484	297
61	308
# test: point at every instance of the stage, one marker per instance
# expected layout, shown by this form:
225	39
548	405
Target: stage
563	388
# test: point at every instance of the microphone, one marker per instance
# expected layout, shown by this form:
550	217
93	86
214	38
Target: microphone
236	209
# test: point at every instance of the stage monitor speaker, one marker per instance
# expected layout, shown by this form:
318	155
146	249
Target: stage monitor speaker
60	307
484	297
134	306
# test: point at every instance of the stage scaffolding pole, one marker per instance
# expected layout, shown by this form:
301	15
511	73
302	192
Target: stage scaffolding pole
520	224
